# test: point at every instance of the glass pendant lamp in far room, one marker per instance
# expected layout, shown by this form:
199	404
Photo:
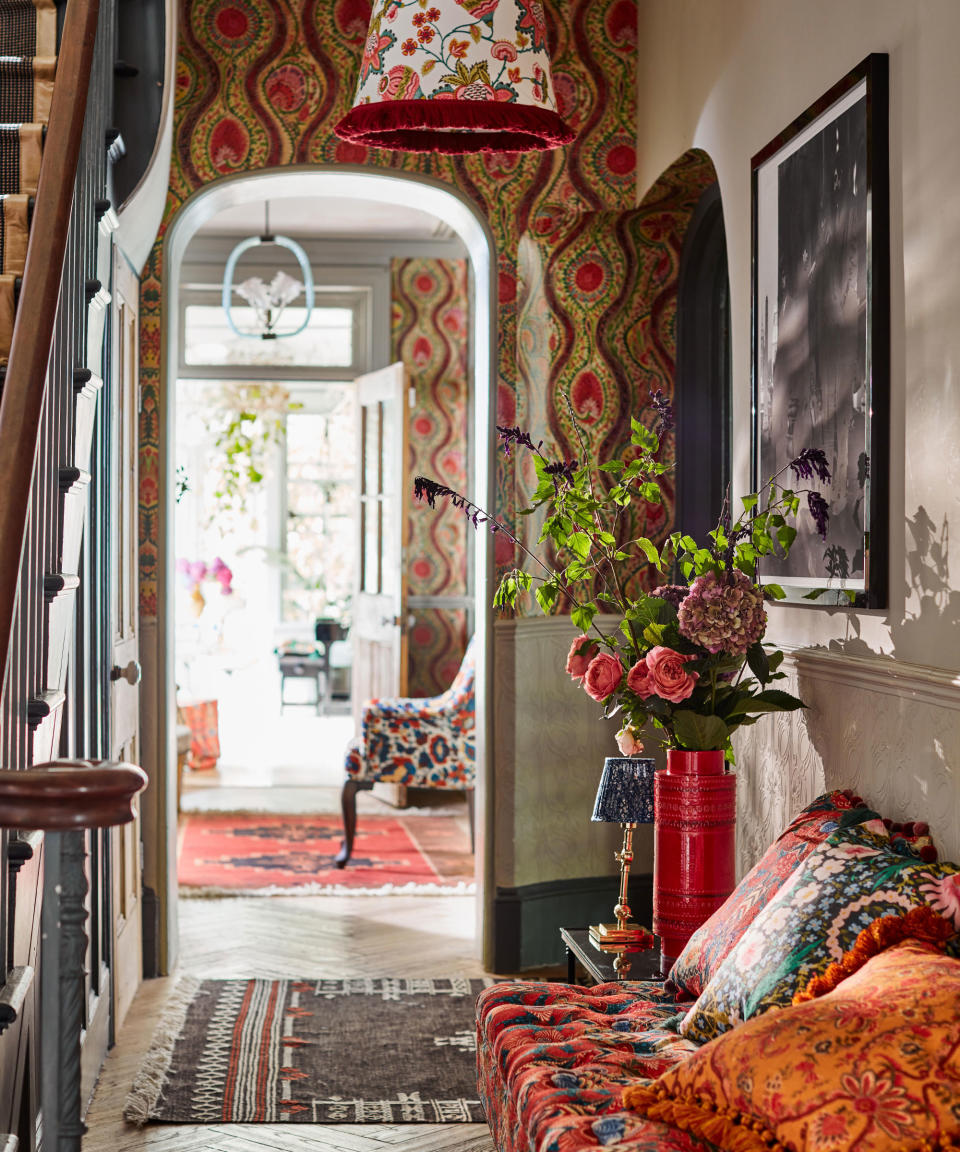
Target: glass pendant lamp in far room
268	301
456	76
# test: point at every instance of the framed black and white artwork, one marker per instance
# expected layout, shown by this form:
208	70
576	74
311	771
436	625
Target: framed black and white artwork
821	342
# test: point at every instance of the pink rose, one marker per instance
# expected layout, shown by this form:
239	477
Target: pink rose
638	679
628	742
603	677
670	679
579	657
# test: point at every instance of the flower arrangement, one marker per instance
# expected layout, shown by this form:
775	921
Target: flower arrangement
194	572
687	657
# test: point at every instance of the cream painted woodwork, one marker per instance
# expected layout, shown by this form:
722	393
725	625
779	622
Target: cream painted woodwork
887	729
379	630
282	936
125	862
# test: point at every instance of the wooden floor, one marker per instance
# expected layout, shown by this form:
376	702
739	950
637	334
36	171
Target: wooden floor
294	936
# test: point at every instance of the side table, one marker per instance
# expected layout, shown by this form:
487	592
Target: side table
599	965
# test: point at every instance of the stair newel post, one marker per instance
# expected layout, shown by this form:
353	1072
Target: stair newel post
63	986
66	799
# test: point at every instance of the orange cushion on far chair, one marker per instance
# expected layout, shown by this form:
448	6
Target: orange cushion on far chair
873	1065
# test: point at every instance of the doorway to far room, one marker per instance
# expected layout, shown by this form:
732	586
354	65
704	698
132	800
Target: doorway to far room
267	542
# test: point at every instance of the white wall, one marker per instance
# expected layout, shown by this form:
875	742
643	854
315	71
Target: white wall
884	689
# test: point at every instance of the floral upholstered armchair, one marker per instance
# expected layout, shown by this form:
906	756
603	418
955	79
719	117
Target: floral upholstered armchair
423	742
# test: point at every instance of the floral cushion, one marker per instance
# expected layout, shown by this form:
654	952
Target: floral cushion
553	1060
427	742
711	943
872	1066
853	878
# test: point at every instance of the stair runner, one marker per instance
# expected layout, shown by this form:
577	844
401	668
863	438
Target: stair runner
28	35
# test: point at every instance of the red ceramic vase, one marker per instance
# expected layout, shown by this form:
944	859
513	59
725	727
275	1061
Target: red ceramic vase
694	846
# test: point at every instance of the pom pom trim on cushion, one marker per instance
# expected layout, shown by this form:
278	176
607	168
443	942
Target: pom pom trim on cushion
727	1128
699	1115
920	923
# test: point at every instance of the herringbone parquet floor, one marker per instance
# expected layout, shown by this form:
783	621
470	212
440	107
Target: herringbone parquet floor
298	936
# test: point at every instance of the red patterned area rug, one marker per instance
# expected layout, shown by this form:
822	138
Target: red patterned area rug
356	1051
245	853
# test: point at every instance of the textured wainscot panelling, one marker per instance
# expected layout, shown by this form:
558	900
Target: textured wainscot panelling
887	729
551	742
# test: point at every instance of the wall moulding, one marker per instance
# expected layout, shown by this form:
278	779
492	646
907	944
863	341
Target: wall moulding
885	728
936	686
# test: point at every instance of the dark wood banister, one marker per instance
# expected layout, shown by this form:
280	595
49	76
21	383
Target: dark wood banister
66	794
23	388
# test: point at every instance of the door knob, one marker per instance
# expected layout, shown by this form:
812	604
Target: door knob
391	621
131	673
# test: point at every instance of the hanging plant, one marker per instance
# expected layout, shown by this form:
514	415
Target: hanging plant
252	424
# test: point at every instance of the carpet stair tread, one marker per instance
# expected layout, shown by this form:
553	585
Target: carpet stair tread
26	86
21	148
16	211
28	27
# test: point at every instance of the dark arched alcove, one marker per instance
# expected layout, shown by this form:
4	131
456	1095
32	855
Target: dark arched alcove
702	392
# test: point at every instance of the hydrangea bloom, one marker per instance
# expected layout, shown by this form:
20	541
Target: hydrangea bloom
723	615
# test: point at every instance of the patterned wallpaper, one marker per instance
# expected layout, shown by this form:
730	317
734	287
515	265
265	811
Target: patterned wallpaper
596	331
260	84
430	334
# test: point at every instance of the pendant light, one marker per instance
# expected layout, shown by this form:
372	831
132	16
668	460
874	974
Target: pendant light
268	300
456	76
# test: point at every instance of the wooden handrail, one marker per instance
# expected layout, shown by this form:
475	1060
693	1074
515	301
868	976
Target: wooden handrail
68	794
23	388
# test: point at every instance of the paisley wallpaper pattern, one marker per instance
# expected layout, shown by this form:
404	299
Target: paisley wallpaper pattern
597	333
260	84
430	334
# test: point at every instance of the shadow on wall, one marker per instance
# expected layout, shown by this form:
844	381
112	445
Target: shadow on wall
934	624
881	725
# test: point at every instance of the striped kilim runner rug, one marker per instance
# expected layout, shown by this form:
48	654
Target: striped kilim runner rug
355	1051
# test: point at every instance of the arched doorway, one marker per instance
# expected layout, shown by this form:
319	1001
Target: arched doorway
702	391
361	185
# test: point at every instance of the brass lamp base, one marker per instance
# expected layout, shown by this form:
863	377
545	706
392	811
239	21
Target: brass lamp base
612	938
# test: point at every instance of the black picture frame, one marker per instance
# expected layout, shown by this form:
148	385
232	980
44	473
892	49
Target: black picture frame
821	333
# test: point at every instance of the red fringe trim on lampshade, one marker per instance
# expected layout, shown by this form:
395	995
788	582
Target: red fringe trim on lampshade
454	126
920	923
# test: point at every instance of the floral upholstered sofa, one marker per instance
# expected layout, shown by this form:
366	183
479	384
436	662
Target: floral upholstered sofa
818	1009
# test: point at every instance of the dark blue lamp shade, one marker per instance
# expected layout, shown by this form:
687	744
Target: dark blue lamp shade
625	795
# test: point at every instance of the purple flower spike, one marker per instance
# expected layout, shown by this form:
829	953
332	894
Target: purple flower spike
562	468
664	410
429	490
674	594
820	511
515	436
810	462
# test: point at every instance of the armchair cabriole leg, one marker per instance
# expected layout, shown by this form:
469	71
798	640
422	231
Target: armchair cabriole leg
348	804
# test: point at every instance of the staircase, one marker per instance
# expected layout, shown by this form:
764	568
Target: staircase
28	38
56	225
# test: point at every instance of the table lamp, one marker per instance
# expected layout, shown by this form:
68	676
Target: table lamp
625	796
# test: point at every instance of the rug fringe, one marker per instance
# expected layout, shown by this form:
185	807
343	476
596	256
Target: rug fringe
152	1075
212	892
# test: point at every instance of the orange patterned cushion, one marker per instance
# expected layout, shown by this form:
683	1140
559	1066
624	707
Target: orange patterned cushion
873	1065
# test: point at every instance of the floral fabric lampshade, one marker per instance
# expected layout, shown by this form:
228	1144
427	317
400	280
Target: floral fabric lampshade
456	76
